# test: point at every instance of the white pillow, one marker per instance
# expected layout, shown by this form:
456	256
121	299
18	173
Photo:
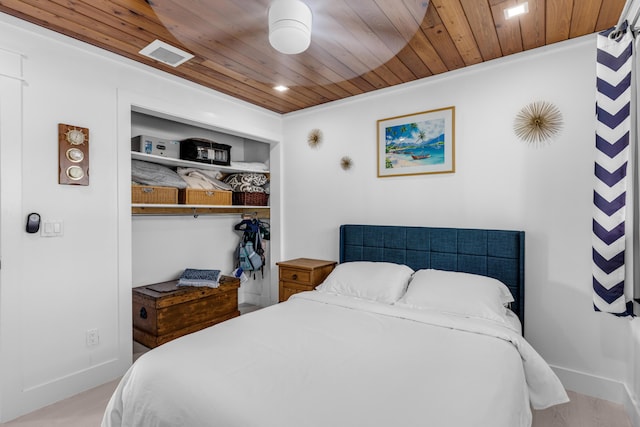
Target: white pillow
465	294
378	281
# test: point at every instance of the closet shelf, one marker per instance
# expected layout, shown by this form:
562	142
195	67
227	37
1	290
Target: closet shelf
172	209
168	161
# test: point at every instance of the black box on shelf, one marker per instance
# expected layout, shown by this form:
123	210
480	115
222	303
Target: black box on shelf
205	151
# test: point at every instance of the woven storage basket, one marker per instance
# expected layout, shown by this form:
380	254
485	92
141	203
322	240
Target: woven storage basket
250	199
192	196
155	195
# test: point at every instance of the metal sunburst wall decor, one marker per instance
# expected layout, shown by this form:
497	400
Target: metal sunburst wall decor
538	122
346	163
314	138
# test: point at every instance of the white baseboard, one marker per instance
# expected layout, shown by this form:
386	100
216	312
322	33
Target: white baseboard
38	396
601	388
591	385
249	298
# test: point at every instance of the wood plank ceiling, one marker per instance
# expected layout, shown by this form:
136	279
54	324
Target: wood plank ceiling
357	45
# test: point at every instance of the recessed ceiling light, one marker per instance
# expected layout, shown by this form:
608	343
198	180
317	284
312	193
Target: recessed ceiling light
281	88
516	10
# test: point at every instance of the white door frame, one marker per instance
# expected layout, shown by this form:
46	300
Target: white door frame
11	234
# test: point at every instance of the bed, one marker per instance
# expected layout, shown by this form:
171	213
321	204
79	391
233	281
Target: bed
410	329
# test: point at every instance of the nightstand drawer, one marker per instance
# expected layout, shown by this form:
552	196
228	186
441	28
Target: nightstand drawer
295	275
290	288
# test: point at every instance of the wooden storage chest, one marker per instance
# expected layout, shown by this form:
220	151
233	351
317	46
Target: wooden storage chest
163	311
302	274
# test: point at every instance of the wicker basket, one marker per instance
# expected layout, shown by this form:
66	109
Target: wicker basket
192	196
155	195
250	199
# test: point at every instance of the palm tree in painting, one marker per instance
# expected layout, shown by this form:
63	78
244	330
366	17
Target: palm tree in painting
390	136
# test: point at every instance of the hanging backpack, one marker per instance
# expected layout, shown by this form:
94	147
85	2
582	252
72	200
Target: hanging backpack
248	258
250	253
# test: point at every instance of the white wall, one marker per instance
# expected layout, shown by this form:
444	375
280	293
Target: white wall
500	182
61	287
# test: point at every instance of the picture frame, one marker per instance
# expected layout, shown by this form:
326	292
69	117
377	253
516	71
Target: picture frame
418	143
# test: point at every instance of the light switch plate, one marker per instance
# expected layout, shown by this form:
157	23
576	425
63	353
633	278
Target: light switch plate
52	228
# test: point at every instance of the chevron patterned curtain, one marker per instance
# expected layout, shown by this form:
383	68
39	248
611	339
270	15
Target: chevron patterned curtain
613	128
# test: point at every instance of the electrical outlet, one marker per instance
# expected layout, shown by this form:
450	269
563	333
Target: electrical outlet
93	338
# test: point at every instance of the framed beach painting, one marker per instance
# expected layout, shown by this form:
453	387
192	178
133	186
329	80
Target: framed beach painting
419	143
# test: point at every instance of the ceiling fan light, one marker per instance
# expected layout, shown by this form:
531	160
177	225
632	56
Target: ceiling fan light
289	26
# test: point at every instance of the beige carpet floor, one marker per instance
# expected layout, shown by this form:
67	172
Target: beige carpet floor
82	410
86	409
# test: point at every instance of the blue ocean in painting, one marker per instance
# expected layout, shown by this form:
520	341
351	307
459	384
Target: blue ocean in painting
433	155
415	144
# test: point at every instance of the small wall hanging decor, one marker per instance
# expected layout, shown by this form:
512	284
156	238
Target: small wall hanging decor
419	143
73	155
346	163
538	122
314	138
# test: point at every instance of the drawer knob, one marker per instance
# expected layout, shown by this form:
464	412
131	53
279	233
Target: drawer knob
143	313
294	277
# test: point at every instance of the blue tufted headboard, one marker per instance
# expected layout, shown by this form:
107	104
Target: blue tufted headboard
494	253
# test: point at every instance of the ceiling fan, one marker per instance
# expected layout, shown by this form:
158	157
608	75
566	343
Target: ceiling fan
292	38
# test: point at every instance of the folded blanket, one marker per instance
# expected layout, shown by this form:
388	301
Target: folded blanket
212	173
215	183
197	183
195	277
254	166
203	179
247	182
147	173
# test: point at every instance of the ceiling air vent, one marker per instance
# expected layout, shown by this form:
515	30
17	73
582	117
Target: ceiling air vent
170	55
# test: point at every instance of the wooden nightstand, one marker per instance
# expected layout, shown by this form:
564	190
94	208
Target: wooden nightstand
302	274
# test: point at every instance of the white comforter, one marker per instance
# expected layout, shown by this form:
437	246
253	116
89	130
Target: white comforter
323	360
